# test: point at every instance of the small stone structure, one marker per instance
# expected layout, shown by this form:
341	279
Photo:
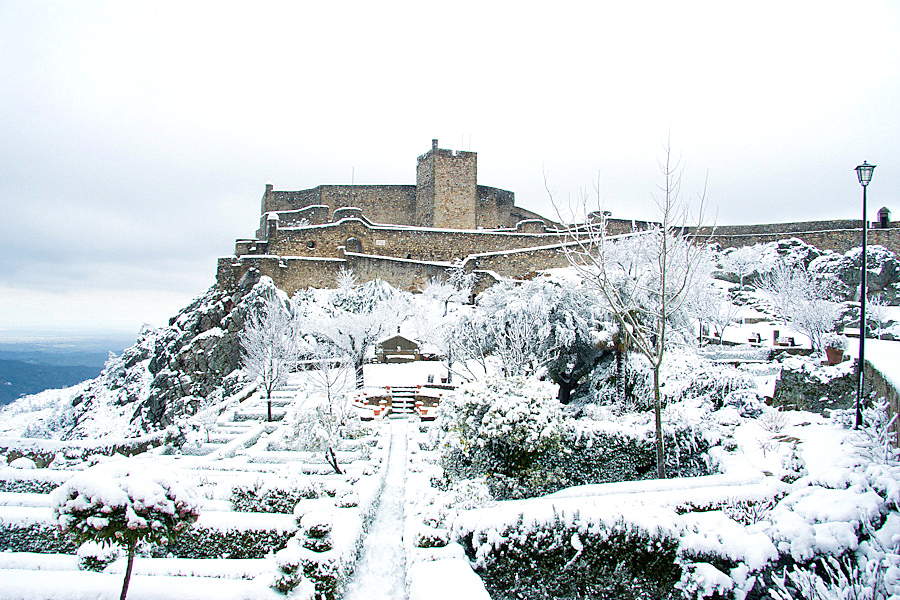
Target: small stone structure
407	234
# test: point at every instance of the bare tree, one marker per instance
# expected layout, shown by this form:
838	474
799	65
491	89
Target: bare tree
879	312
456	288
329	375
646	289
742	261
778	286
269	351
802	300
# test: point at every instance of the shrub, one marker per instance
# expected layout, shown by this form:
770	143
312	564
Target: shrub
563	560
272	496
123	504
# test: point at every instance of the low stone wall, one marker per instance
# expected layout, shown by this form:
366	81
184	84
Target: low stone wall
884	389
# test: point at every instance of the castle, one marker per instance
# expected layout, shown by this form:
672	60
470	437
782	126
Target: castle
407	234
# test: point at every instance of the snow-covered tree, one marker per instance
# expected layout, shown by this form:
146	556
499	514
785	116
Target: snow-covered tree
269	350
779	287
803	300
878	309
645	279
329	375
544	328
741	261
124	504
471	343
455	288
352	319
711	304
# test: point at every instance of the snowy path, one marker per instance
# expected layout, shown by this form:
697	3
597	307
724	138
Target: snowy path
381	570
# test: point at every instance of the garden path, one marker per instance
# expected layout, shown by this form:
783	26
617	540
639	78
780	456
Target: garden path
381	570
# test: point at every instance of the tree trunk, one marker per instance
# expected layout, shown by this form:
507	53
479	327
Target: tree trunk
620	374
269	403
657	409
331	459
131	546
360	376
566	385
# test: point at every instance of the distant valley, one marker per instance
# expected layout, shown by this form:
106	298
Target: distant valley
34	366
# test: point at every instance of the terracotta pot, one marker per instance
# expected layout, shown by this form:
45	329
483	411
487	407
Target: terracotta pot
834	355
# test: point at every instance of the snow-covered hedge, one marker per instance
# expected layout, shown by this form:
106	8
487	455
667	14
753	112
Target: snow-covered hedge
38	537
511	432
272	495
571	558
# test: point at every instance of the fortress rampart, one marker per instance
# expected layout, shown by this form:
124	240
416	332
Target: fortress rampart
407	234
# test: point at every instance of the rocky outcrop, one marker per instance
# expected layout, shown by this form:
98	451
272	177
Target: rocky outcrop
177	369
806	384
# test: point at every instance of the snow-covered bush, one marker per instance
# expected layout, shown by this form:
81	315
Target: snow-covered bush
499	428
226	542
834	341
562	559
272	495
124	503
44	538
833	579
510	433
314	556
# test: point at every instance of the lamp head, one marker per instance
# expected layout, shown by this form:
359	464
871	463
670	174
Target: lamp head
864	172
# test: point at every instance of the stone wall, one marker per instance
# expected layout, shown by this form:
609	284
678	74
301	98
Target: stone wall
399	242
519	264
883	389
837	235
393	204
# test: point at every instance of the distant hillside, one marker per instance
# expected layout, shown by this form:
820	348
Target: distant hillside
18	378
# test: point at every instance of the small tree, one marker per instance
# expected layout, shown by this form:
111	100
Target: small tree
802	300
269	349
329	375
878	308
645	282
742	261
124	505
456	288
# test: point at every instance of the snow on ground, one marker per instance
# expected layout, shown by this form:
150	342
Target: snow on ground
381	570
819	512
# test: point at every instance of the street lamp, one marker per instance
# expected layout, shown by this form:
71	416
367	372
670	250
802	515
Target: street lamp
864	172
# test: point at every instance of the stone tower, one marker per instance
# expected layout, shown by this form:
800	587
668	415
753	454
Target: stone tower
446	188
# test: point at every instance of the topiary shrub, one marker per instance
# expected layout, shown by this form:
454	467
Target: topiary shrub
124	503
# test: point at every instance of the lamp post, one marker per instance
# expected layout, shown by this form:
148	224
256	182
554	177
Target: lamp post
864	172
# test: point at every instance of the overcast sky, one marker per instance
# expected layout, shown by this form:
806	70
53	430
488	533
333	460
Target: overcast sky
136	138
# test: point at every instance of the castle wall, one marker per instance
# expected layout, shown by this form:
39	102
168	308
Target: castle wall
494	208
394	204
406	243
518	264
838	235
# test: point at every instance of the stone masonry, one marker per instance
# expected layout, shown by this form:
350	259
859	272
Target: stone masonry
407	234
